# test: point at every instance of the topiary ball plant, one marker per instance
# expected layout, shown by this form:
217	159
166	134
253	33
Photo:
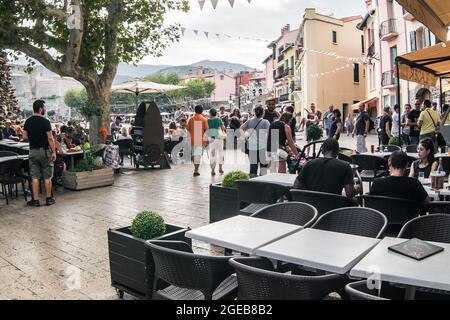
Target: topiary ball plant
314	132
396	141
230	178
148	225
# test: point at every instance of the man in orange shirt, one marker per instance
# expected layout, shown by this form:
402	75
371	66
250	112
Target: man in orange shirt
197	126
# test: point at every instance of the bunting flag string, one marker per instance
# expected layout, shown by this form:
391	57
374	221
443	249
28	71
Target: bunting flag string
201	3
316	75
339	57
184	31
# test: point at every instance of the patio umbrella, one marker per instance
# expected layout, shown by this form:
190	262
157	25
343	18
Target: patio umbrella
143	86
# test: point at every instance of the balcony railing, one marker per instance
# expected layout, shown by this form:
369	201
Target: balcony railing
284	97
371	50
388	79
280	57
388	29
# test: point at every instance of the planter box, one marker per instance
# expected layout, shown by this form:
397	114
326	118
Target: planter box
131	264
223	203
88	180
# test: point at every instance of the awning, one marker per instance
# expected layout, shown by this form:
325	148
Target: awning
367	102
426	66
435	14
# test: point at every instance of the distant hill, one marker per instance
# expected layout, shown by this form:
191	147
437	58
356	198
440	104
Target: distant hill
207	64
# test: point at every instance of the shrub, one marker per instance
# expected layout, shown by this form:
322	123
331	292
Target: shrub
230	178
396	141
314	132
148	225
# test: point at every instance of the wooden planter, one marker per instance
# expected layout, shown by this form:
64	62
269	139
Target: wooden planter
88	179
131	263
223	203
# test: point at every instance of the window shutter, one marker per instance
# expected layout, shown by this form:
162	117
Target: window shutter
412	35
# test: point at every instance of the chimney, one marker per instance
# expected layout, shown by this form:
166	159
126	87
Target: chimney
288	27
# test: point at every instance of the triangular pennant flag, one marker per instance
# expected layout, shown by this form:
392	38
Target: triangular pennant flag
183	30
249	1
231	3
201	3
217	35
207	34
214	3
196	32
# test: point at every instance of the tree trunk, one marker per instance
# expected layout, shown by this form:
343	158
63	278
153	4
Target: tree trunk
101	96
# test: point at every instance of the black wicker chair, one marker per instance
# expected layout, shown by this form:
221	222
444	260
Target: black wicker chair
358	221
344	157
412	148
11	175
439	207
125	149
370	167
259	194
391	148
298	213
322	201
8	154
182	275
257	280
433	227
397	211
360	291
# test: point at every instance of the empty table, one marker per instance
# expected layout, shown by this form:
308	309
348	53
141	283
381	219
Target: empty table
242	233
432	272
319	249
283	179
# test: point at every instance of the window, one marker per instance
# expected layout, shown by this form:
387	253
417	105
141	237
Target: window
222	77
334	37
412	39
393	101
426	38
362	44
356	72
393	56
372	77
386	101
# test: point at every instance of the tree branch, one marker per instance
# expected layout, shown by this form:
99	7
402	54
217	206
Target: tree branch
50	10
74	47
111	32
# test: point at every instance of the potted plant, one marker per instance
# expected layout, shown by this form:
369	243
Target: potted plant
223	197
396	141
314	132
88	173
131	264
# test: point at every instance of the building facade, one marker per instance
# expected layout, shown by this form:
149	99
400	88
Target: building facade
328	68
390	31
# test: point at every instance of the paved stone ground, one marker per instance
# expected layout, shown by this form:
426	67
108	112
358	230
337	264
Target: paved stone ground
40	246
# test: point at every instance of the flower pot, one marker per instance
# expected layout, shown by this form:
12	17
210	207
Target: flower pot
131	263
223	203
88	179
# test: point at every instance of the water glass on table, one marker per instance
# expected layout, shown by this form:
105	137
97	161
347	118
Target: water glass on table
421	177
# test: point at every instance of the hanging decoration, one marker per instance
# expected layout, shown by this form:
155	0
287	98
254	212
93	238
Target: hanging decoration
184	30
316	75
201	3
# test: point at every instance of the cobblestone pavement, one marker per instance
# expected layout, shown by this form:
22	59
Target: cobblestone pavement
42	248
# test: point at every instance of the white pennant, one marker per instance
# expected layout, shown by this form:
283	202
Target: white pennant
214	3
231	3
201	3
206	34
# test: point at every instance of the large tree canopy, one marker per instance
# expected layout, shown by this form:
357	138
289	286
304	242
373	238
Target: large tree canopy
86	39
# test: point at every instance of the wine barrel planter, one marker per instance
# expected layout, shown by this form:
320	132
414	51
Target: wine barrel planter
131	263
88	180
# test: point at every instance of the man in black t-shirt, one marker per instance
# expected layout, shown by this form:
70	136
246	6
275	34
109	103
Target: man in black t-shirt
270	114
328	174
38	131
397	185
361	129
413	117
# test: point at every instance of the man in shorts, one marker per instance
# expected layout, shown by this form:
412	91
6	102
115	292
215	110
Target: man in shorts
197	126
38	131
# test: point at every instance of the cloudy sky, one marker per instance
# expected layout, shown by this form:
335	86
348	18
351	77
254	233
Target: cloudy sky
261	19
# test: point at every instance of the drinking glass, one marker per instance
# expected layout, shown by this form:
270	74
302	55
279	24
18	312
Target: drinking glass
421	177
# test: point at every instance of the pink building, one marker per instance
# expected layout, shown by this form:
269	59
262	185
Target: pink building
389	31
224	81
269	67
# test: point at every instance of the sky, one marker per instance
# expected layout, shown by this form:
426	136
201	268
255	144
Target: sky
261	19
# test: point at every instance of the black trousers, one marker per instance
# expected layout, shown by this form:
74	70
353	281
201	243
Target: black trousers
257	159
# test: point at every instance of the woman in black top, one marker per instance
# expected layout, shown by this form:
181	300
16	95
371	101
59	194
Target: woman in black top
336	125
426	162
385	127
280	143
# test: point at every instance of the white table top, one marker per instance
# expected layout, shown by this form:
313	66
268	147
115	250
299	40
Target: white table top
242	233
319	249
284	179
72	153
4	159
432	272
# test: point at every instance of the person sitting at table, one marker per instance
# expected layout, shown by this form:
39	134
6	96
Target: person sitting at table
124	135
67	140
426	163
8	132
328	174
397	185
18	128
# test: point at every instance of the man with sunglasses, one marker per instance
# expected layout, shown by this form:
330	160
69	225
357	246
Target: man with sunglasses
413	117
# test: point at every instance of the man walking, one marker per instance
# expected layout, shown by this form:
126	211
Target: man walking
429	122
326	119
197	126
38	132
413	117
271	114
361	129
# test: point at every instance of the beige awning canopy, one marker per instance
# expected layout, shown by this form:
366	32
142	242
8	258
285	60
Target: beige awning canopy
435	14
426	66
368	102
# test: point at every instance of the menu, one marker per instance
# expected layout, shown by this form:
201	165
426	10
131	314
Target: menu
416	249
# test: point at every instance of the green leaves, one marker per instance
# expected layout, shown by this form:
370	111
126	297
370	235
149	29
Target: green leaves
230	178
148	225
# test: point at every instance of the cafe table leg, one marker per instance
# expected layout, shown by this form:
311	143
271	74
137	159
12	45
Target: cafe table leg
410	293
